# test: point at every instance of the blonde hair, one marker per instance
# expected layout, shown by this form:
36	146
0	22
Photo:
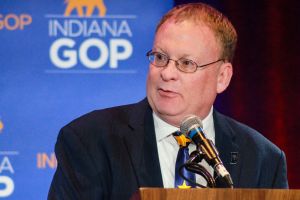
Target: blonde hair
199	13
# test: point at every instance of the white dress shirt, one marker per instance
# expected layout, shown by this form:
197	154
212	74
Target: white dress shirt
168	148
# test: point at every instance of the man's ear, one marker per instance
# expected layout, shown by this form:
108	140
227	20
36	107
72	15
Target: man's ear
224	76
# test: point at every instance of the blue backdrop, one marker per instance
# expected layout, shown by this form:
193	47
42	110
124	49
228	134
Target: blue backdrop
56	64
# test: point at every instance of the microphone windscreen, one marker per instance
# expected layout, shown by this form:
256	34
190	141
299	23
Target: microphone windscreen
190	122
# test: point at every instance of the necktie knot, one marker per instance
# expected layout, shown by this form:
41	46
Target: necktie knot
181	139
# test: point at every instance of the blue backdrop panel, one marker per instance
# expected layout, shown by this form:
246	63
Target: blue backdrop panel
57	62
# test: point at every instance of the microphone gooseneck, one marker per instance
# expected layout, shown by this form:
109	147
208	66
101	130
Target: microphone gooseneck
192	127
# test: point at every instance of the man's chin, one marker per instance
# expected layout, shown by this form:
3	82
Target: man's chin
169	112
172	118
168	109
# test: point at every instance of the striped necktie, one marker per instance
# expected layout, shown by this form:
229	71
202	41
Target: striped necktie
182	157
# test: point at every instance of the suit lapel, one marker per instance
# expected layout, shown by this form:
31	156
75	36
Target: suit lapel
142	148
227	147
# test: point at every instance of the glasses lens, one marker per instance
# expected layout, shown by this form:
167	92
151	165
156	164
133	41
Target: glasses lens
186	65
158	59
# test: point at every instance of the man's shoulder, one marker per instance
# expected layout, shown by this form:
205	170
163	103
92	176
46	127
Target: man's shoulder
99	120
107	114
244	134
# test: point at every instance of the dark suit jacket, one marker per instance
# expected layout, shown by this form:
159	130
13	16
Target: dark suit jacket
109	154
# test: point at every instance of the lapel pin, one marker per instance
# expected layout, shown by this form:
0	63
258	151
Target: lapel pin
234	157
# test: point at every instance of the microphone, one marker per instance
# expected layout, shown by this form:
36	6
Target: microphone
192	127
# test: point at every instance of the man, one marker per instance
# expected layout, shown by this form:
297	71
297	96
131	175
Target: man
110	153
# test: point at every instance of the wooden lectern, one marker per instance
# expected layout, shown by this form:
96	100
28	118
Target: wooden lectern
216	194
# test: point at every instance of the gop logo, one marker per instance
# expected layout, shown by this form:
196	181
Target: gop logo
92	41
13	22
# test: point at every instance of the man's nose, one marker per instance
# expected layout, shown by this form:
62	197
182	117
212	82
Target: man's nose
170	71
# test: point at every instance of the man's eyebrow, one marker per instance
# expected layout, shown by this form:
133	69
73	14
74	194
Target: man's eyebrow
159	49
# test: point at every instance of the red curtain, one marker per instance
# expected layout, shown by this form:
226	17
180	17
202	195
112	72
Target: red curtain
265	91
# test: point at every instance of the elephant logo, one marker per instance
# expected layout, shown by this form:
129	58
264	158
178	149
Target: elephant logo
90	6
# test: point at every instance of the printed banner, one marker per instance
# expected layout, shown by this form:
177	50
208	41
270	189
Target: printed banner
60	59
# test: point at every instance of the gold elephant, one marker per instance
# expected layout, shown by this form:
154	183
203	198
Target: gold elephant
89	4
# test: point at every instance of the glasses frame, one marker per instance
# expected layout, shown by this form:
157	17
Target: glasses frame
150	53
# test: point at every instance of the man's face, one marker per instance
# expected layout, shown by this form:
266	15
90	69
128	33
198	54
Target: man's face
173	94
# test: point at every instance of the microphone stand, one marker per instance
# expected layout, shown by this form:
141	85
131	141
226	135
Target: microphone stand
193	166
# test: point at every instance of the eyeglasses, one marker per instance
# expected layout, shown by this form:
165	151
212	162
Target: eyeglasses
185	65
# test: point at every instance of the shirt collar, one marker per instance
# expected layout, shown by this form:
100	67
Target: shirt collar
163	129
